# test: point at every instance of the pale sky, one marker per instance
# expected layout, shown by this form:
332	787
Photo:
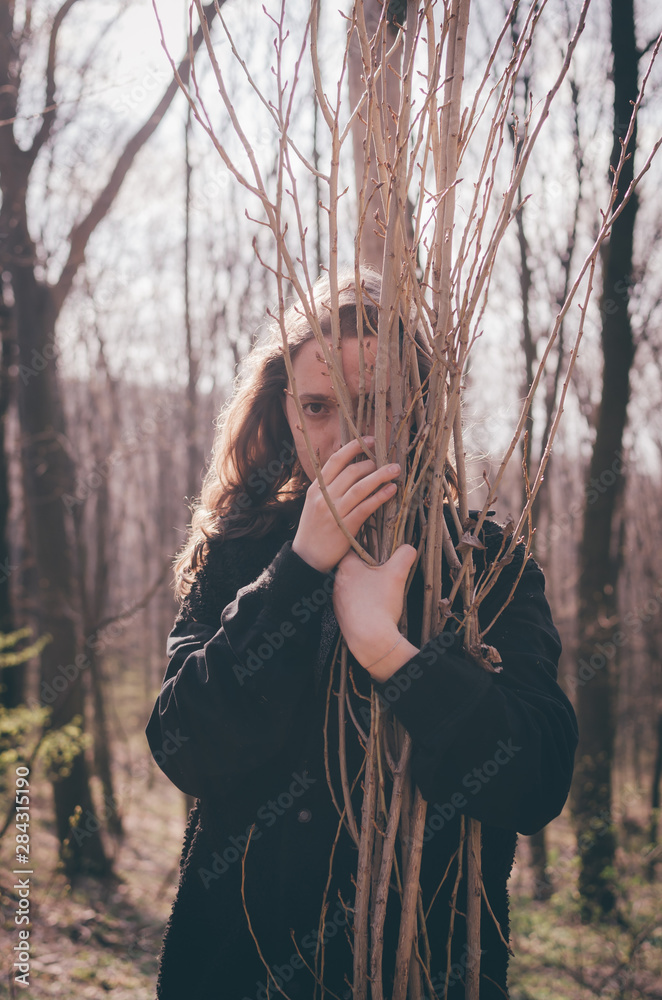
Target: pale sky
135	257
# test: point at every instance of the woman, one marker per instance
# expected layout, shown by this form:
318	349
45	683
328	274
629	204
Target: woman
267	578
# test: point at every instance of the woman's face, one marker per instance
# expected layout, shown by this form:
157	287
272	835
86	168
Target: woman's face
318	399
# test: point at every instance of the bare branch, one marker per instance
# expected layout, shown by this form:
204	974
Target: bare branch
140	604
50	107
82	231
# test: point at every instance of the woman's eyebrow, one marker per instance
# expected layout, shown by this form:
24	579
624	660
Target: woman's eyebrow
323	397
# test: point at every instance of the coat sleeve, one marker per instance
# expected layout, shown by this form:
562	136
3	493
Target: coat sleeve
498	747
233	686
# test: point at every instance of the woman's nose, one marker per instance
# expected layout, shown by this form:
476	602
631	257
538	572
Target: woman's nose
367	420
337	441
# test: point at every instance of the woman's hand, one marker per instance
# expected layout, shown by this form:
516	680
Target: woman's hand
319	540
367	601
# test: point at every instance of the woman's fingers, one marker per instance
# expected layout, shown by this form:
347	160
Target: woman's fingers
350	482
363	487
358	489
362	511
348	491
356	482
343	457
402	561
348	477
368	604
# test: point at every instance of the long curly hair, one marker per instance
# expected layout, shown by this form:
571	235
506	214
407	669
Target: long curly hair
254	476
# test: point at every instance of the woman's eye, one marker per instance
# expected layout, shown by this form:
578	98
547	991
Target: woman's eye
314	409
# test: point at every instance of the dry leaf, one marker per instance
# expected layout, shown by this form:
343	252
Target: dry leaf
490	653
445	608
468	542
486	657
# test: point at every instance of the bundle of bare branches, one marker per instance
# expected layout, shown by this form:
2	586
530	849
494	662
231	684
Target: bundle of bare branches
411	129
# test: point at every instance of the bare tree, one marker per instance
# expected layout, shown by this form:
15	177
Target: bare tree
48	467
600	557
532	338
12	680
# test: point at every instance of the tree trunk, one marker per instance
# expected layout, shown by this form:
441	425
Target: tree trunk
372	229
102	752
655	805
543	887
598	655
195	460
537	843
194	457
94	599
48	469
48	476
12	679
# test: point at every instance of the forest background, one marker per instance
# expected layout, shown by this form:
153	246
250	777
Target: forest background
134	248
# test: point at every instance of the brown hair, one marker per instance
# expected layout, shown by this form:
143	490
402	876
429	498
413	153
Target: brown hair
254	476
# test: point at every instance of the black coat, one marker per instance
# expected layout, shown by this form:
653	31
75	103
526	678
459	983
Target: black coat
239	725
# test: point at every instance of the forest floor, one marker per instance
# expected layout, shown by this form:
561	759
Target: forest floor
556	956
95	939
